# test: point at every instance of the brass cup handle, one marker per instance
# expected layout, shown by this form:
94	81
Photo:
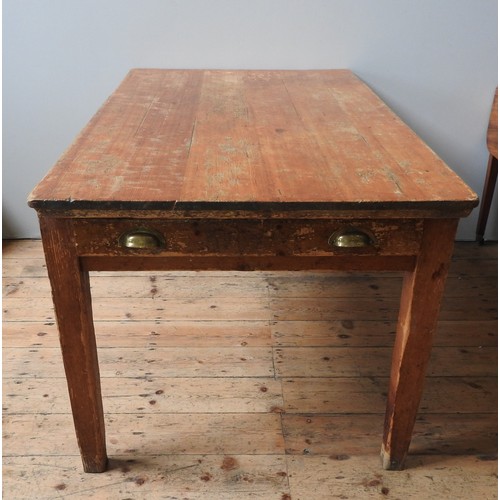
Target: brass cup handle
142	238
351	238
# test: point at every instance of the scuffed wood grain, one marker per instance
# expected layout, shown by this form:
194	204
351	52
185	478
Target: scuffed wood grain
161	361
492	134
247	237
149	333
360	477
73	309
169	434
366	394
175	140
153	394
197	477
418	316
344	435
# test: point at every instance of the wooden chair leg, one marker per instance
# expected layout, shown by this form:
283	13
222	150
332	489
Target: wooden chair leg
488	190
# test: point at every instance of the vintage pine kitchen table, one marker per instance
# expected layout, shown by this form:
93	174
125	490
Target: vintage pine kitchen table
248	170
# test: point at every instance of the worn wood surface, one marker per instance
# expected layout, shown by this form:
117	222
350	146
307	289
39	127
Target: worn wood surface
73	310
417	321
248	237
177	140
492	134
268	416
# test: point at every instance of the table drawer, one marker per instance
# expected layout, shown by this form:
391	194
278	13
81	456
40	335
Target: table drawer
276	237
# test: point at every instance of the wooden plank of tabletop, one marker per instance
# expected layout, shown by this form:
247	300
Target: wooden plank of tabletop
249	140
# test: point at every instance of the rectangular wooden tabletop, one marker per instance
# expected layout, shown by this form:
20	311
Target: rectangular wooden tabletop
249	140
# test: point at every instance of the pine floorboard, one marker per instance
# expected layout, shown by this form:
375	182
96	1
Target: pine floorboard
234	385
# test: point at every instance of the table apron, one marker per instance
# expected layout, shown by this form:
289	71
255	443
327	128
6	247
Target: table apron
248	243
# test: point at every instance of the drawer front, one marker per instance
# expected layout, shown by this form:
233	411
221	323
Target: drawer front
236	237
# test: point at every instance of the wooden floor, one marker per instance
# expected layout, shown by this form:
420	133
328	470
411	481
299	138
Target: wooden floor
250	385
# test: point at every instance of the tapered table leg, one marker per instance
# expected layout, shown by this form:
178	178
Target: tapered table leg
72	303
420	303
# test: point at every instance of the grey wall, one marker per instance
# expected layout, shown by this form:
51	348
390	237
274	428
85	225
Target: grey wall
433	61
